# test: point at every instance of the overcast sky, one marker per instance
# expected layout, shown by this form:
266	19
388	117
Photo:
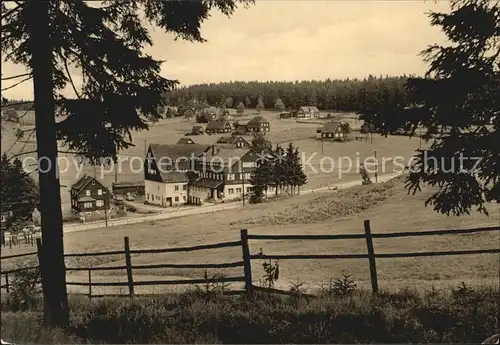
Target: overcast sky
296	40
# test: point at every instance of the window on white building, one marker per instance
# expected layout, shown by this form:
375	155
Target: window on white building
176	198
230	191
87	192
184	187
238	190
99	192
230	177
248	176
99	203
176	188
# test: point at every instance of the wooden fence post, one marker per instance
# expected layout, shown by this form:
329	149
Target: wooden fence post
128	262
39	254
7	282
90	283
371	256
247	268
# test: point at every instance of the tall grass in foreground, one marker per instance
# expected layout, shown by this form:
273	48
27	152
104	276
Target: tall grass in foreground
458	315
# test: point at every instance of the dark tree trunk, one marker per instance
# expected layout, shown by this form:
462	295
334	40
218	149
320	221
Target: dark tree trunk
52	263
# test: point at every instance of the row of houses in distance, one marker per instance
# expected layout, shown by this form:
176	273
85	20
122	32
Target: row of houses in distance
221	125
305	112
234	140
192	173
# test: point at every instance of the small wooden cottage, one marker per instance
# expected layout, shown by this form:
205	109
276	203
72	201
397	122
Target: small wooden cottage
258	124
88	195
236	141
219	126
308	112
333	131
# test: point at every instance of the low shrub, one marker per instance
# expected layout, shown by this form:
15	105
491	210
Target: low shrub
130	208
462	315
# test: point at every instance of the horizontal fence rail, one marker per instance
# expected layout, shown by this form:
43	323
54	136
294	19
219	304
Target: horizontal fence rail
187	249
17	256
245	263
371	255
112	252
308	256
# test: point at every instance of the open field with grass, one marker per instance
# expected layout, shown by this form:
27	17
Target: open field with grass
388	207
325	163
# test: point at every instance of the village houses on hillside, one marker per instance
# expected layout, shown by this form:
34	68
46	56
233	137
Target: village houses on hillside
166	173
258	124
235	141
219	126
178	174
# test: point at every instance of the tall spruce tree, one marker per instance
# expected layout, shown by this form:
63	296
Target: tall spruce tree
280	169
299	177
105	40
279	105
260	104
458	103
261	180
241	109
18	190
289	168
260	143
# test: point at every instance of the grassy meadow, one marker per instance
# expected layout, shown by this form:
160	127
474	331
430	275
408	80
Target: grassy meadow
388	206
328	162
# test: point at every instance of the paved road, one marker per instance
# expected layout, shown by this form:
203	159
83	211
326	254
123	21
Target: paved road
206	208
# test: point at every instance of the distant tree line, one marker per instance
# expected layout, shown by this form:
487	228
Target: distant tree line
350	95
17	104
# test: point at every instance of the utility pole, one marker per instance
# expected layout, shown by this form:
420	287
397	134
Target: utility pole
52	267
242	183
243	186
106	203
376	166
322	144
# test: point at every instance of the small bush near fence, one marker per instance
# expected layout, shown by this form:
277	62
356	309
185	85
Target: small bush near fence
458	316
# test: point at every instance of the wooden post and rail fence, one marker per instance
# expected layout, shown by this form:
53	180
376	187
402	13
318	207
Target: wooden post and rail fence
247	258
